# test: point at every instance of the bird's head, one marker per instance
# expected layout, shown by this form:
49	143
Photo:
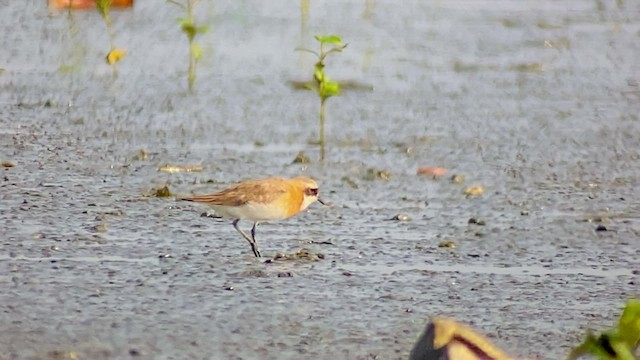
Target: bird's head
310	191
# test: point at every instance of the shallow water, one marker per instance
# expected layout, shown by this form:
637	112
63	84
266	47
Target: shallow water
536	101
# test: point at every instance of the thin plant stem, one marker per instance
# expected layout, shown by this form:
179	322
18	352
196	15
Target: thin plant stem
307	50
106	16
108	23
191	76
322	139
304	20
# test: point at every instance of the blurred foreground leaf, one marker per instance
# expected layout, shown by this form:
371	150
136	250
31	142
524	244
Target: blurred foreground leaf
618	343
447	339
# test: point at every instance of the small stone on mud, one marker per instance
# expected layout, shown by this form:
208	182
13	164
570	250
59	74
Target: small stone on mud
373	174
457	179
346	273
285	274
100	228
401	217
134	352
301	158
477	221
141	155
302	254
524	213
601	228
210	214
228	288
447	244
473	191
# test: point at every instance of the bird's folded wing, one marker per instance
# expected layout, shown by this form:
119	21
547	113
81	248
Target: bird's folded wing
243	193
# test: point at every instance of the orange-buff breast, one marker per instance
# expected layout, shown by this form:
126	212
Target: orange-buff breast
291	200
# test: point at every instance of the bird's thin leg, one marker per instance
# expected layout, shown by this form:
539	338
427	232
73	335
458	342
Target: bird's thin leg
252	242
253	231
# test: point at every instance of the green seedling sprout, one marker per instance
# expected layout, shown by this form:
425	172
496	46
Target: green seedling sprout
618	343
322	84
115	54
191	29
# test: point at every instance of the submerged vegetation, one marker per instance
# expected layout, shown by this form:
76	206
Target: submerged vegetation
162	192
322	84
191	29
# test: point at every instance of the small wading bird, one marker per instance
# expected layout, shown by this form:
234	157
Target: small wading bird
261	200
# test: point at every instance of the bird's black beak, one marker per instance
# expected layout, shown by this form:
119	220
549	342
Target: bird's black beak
322	202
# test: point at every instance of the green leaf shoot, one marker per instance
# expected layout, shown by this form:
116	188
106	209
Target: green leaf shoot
328	39
103	7
329	88
323	86
190	28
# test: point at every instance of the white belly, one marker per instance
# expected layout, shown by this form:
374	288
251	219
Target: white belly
251	211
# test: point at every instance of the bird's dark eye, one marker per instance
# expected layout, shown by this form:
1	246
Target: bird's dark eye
311	192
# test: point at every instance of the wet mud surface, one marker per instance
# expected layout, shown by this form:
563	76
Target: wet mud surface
537	102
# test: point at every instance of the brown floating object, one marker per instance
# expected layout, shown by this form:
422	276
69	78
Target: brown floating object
85	4
435	171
